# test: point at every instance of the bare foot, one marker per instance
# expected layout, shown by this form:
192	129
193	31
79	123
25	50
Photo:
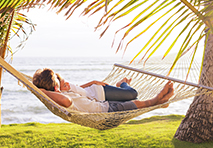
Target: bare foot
166	98
165	94
162	97
165	90
128	81
124	80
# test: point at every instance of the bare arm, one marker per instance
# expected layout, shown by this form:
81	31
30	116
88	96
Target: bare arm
58	97
93	82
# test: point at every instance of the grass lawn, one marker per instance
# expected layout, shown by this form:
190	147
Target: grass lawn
154	132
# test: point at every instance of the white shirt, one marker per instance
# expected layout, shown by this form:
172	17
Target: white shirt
92	92
90	99
95	92
84	104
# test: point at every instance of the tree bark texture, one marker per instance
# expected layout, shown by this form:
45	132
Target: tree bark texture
197	126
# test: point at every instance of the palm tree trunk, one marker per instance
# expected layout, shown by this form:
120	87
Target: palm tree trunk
2	54
197	126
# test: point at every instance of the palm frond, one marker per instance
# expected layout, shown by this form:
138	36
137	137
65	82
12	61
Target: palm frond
156	33
138	22
166	35
15	30
195	13
186	39
181	51
146	29
182	20
18	28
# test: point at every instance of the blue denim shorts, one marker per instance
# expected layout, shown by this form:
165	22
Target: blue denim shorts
115	106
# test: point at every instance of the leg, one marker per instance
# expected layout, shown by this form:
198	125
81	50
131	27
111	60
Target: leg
162	97
122	93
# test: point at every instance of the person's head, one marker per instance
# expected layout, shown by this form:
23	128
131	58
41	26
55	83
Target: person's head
64	86
46	79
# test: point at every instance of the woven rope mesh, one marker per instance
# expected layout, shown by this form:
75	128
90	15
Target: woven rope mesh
146	85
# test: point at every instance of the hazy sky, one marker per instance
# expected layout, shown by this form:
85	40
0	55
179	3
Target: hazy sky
56	36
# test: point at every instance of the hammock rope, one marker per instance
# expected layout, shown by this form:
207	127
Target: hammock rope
146	83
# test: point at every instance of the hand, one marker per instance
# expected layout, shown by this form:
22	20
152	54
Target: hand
93	82
99	83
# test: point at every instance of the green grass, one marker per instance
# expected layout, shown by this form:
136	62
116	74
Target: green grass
154	132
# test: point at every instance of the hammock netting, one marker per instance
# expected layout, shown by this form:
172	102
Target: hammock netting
147	83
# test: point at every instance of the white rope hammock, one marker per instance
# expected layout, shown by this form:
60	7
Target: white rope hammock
147	84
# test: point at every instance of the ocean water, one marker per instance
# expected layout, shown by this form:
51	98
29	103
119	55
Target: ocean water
18	105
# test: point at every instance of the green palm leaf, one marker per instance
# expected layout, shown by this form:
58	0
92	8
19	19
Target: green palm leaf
169	29
194	13
181	51
184	29
161	27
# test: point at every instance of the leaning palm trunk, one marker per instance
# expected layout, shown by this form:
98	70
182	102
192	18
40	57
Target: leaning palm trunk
197	126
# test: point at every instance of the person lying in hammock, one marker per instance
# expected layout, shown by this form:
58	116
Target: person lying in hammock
47	81
101	91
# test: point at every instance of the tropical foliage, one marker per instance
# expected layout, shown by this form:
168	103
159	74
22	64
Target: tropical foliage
12	25
158	20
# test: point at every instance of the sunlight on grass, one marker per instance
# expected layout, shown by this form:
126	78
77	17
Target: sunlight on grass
157	131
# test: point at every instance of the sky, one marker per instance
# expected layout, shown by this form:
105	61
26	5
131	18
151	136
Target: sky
55	36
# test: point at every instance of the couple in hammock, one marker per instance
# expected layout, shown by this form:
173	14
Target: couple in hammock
95	96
